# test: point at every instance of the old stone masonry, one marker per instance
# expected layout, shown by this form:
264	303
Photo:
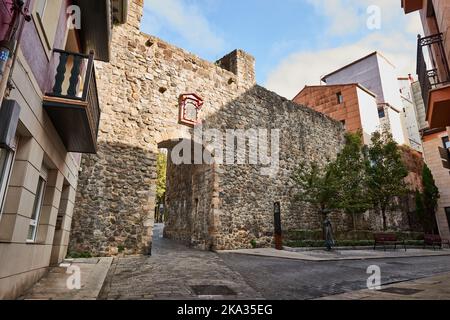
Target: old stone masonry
210	206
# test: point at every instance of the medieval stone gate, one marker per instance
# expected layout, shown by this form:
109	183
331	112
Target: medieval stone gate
211	206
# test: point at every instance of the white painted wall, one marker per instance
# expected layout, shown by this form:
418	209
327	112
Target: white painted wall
368	110
389	83
395	122
410	116
364	72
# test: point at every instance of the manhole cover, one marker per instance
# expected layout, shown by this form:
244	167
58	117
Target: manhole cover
213	291
401	291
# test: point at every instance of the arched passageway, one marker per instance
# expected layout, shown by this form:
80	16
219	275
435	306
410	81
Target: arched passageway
190	192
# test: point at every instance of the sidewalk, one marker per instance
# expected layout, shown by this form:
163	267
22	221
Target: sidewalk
433	288
338	255
54	285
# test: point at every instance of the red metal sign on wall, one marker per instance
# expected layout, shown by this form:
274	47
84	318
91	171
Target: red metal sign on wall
190	106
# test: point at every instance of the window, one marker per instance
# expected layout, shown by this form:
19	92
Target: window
340	97
447	212
40	8
381	113
344	124
37	206
46	14
446	143
6	160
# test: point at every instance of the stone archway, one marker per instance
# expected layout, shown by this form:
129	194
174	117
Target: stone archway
139	91
191	197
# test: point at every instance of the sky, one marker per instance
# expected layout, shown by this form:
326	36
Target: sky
294	42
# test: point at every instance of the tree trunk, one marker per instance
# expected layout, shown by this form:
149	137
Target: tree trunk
354	221
383	215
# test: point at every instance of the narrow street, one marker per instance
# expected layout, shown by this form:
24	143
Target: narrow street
177	272
174	272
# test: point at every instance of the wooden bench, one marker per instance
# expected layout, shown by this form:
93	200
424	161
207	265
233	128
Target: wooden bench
385	239
435	240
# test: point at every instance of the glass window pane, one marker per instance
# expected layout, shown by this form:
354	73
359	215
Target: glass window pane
3	158
37	206
447	212
6	158
40	7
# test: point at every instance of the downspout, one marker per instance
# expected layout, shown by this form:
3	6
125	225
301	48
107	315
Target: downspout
10	45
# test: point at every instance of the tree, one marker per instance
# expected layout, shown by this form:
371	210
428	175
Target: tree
386	173
318	187
161	169
350	172
427	201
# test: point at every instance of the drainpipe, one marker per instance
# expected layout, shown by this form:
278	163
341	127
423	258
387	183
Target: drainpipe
10	45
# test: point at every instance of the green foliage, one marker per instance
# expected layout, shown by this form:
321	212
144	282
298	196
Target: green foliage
361	178
318	187
349	170
386	173
253	244
427	201
79	255
161	168
121	248
342	243
341	235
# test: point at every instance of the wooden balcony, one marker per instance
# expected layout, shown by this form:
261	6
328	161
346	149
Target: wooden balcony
434	77
412	5
73	105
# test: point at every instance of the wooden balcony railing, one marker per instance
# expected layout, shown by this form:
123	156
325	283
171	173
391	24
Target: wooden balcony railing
73	103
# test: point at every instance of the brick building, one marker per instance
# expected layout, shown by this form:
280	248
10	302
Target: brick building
377	74
351	104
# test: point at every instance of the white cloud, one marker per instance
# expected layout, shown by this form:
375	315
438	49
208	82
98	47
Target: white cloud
186	20
395	40
350	16
341	18
307	67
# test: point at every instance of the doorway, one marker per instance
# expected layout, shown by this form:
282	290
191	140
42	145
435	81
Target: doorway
184	197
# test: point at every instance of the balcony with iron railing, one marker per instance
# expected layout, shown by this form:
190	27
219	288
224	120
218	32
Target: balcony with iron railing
72	104
434	77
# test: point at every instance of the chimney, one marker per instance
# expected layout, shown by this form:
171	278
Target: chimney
242	65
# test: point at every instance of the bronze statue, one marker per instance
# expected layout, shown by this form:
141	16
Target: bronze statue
328	230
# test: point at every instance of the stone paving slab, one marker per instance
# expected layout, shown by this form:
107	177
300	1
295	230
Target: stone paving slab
339	255
432	288
54	285
173	272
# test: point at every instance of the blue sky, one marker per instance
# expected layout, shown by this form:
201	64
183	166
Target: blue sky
294	41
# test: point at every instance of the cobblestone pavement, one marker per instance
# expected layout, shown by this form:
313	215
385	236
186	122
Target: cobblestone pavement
432	288
174	272
293	279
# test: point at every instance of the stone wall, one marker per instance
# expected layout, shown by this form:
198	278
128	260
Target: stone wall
210	206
